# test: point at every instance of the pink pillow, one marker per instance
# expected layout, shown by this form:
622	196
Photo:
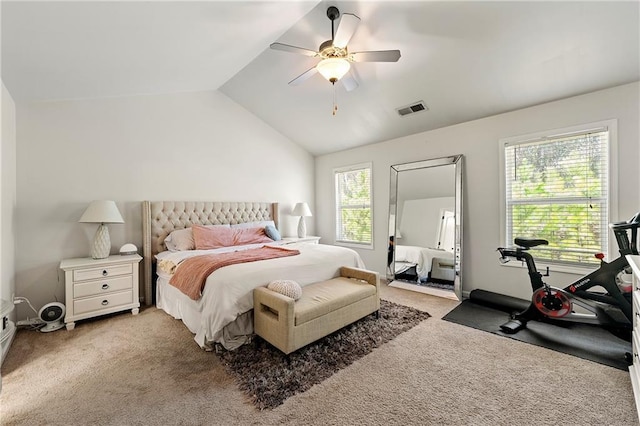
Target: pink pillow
182	239
211	238
244	236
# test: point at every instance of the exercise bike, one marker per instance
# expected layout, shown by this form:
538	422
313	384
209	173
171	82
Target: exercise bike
611	309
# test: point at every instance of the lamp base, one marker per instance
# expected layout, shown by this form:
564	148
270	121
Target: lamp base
101	243
302	228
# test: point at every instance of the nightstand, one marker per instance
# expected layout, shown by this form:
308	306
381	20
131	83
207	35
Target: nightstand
8	327
95	287
308	239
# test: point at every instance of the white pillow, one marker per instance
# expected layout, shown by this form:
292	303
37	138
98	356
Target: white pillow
182	239
288	288
258	224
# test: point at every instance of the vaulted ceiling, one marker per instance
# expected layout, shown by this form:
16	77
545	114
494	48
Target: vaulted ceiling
465	60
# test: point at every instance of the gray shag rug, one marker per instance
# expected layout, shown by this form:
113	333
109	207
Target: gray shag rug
432	284
268	377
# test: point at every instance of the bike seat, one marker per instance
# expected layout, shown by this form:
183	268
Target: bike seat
530	242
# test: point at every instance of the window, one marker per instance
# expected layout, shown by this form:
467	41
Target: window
557	188
354	221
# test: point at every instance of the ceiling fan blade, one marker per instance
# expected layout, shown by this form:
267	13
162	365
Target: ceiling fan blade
304	76
293	49
349	81
347	27
376	56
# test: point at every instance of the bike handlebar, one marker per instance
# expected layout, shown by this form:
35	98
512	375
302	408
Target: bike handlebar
520	254
634	222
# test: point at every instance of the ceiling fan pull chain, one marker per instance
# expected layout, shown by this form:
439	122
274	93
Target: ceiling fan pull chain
335	104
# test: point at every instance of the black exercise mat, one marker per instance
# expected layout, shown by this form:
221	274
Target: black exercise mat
581	340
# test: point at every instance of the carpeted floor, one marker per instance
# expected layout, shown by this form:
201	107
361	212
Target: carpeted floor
274	376
581	340
147	370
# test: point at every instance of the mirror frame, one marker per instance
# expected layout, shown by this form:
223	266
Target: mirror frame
457	162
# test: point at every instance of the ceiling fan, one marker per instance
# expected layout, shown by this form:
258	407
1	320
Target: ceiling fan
336	59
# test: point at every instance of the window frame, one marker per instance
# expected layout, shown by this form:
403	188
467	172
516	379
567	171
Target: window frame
352	244
612	190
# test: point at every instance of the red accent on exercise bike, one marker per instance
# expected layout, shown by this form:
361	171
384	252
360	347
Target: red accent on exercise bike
599	256
551	302
572	288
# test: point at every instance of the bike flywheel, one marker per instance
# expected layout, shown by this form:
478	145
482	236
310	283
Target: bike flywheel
551	302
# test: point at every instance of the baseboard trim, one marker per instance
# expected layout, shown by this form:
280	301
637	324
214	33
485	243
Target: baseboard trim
423	289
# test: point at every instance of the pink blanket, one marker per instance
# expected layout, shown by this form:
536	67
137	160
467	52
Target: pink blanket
192	273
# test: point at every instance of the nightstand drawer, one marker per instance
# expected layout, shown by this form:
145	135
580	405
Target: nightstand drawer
106	301
93	288
106	271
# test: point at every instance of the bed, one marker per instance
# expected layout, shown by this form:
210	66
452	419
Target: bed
414	263
224	313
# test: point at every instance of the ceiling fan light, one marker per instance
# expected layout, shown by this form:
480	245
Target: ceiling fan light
333	69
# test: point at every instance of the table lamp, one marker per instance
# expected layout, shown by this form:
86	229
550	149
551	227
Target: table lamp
101	212
302	210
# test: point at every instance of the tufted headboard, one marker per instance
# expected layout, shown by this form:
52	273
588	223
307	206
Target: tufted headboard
160	218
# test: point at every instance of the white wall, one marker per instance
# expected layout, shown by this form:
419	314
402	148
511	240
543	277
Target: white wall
478	141
420	220
8	198
190	146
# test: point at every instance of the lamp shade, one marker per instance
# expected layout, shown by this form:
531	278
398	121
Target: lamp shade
333	69
301	209
102	211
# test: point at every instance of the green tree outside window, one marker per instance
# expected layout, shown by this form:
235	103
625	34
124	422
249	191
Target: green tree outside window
557	190
353	205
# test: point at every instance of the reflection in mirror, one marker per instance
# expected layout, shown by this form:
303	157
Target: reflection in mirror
425	226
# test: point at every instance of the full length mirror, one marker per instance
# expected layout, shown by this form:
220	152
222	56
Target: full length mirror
425	226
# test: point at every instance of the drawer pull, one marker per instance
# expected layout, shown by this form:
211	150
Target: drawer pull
105	302
105	286
105	273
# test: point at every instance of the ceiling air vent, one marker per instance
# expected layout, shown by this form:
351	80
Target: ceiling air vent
413	108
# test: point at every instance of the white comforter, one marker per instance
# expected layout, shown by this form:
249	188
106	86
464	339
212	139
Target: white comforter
421	257
220	315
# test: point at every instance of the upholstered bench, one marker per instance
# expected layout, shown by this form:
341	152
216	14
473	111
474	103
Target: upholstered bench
442	269
323	308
